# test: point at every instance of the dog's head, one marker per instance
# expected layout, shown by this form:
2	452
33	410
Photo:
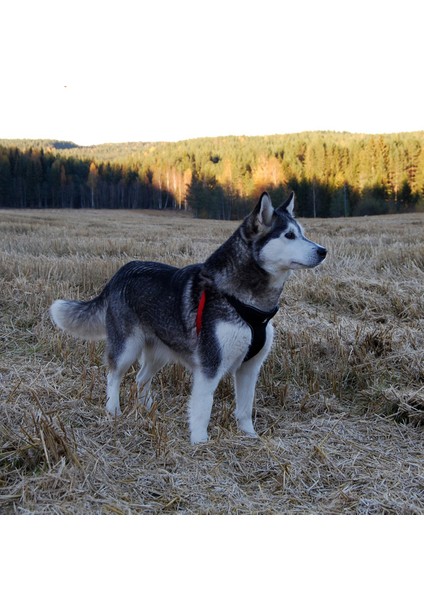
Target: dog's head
277	239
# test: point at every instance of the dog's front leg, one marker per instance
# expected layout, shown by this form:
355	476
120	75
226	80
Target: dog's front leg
245	380
200	405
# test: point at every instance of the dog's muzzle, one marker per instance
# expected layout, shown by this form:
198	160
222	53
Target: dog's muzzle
322	252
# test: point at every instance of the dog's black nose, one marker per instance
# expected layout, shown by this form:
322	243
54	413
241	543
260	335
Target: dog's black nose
322	252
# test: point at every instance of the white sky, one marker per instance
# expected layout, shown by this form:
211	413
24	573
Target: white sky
96	71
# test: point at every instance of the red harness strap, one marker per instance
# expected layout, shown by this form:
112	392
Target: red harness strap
199	316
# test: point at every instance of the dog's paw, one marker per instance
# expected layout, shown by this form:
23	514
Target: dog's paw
146	401
113	410
251	434
198	438
247	429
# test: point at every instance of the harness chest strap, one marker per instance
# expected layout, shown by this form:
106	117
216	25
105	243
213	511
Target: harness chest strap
199	316
255	318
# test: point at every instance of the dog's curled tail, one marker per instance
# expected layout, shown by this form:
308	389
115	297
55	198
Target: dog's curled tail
85	320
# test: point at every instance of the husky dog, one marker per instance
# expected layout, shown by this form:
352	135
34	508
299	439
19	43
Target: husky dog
213	317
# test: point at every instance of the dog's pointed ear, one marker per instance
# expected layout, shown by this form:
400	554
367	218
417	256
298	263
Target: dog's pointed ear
260	219
264	209
288	205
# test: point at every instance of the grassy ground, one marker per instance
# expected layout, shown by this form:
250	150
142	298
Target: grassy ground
340	401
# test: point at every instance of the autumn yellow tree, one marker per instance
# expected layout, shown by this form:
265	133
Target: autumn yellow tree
93	178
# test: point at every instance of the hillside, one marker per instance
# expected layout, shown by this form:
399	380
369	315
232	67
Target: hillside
333	174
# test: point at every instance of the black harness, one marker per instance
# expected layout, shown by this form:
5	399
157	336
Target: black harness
257	321
255	318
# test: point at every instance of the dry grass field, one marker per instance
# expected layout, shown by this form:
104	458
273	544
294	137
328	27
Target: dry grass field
339	405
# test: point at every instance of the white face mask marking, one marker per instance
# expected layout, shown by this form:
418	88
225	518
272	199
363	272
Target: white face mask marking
291	250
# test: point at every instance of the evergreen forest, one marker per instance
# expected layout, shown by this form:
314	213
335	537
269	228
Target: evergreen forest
333	174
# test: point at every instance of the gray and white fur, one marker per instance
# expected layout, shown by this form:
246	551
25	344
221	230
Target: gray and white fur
147	313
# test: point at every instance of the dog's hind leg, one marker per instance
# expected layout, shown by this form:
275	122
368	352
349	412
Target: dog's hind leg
200	405
152	361
120	360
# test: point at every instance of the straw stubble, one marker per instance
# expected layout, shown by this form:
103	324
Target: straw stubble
339	405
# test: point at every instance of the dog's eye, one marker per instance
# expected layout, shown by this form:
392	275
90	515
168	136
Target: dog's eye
290	235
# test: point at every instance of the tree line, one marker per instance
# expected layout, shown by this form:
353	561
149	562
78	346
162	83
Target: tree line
35	178
333	174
